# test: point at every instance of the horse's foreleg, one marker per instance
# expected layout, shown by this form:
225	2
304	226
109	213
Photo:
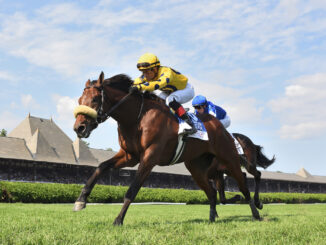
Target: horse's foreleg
120	160
141	175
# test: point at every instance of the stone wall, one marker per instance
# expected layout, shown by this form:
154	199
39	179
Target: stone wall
25	170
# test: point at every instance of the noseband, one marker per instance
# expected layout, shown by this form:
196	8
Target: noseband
100	115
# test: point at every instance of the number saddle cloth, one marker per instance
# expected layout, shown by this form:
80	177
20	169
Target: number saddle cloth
201	130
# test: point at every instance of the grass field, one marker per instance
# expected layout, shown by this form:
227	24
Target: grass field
161	224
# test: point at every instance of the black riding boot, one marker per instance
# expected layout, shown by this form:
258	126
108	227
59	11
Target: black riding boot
187	119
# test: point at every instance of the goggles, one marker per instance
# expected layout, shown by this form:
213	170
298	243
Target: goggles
146	65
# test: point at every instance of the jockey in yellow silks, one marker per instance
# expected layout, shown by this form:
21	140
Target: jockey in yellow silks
167	84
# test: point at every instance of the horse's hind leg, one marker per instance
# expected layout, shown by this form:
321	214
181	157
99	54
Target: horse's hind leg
121	159
220	185
257	175
218	181
199	173
236	173
258	203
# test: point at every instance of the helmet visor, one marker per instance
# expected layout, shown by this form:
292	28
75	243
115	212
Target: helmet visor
143	65
146	65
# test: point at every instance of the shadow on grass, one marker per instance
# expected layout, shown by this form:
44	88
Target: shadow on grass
239	219
221	220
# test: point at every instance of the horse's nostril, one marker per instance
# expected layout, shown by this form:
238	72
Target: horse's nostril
81	129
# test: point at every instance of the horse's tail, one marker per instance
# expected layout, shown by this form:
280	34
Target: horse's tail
262	160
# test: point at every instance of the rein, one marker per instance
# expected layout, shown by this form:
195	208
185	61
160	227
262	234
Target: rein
103	116
107	115
99	115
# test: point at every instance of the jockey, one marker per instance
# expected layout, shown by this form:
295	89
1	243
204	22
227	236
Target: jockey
167	84
201	105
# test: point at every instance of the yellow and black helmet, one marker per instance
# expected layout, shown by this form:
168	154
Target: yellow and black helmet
147	61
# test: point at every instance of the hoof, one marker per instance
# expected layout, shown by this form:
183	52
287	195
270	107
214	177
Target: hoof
238	198
212	216
254	211
257	217
234	199
79	206
117	221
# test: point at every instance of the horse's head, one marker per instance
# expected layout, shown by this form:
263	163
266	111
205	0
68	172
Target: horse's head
90	104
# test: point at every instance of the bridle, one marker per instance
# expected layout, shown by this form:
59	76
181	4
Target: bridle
102	115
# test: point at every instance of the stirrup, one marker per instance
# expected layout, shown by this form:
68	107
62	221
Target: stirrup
190	131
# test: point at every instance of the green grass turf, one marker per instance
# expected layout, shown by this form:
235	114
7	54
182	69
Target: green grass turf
161	224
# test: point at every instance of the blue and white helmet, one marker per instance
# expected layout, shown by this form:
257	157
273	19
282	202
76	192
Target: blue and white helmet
199	100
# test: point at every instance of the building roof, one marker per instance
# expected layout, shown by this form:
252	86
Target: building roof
14	148
42	140
293	176
45	140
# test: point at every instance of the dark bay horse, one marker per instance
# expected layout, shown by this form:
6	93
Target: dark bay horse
148	136
255	158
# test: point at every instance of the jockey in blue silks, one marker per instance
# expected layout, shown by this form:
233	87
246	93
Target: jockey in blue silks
201	105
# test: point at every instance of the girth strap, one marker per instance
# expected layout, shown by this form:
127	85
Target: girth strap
179	150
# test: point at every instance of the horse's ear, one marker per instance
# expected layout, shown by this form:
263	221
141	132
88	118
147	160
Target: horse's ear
100	78
88	83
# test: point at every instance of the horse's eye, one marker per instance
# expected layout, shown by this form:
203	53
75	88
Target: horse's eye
94	100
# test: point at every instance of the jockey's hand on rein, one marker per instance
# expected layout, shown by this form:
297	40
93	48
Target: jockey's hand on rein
134	89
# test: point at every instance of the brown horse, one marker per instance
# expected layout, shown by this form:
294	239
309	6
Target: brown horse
148	136
255	157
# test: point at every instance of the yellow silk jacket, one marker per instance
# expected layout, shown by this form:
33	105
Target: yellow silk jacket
168	80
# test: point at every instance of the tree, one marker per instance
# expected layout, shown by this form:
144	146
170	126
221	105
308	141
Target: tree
86	143
3	133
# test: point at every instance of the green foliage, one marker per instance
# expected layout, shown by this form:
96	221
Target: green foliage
85	142
38	192
3	133
68	193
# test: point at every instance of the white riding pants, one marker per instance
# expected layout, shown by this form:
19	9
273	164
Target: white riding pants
182	96
226	121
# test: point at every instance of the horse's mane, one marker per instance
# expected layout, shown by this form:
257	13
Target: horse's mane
120	81
123	82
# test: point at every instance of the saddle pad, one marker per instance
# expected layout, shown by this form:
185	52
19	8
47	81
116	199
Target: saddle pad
237	145
201	130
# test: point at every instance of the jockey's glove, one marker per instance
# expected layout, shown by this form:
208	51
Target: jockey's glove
134	89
